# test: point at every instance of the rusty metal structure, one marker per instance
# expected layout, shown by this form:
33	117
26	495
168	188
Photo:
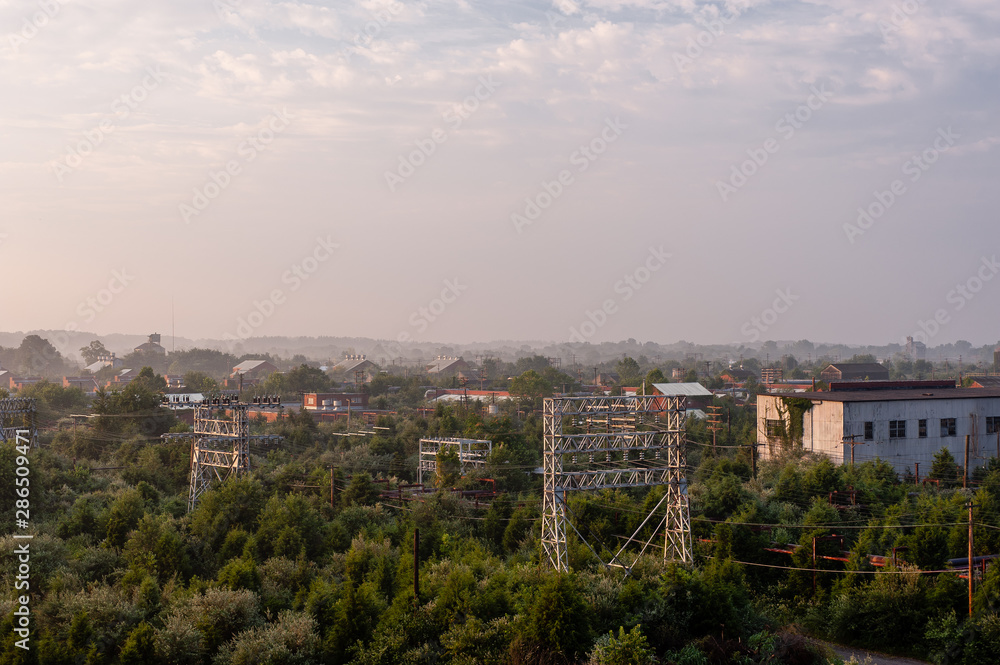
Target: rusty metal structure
472	453
18	420
617	442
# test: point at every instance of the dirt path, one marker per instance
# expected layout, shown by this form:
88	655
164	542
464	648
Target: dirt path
861	656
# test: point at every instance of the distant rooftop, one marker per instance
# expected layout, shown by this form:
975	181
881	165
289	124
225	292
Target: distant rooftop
685	389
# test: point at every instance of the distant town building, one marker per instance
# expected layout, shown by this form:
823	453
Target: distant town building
696	396
17	383
87	384
152	346
737	376
855	372
902	422
772	375
122	378
356	363
334	401
605	379
916	350
448	366
104	360
253	369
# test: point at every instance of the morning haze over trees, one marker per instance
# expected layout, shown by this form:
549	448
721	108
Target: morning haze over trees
309	557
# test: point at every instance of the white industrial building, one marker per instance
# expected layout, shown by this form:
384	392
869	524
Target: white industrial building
904	423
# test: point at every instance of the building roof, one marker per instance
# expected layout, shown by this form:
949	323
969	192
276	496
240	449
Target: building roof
249	366
351	365
685	389
986	381
857	369
897	395
446	364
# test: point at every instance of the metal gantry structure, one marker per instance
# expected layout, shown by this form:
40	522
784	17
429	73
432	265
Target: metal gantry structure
640	439
472	453
18	417
220	448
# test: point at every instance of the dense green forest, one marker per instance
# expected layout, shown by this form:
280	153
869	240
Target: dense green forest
276	568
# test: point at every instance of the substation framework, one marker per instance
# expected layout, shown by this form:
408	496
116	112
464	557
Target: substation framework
472	453
18	420
641	442
220	447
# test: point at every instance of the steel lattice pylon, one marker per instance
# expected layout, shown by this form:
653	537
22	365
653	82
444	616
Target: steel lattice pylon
641	440
220	449
17	416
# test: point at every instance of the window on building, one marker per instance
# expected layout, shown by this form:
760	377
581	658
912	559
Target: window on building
947	427
869	430
897	429
922	428
992	424
774	427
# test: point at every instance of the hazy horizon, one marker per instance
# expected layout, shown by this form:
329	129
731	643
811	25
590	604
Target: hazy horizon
595	170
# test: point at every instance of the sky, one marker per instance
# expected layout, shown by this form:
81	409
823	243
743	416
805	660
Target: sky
575	170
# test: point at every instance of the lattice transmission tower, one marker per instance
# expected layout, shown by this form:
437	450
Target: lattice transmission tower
220	448
640	440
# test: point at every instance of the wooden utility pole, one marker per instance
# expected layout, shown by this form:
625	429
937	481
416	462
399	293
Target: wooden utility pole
849	441
965	475
970	558
331	487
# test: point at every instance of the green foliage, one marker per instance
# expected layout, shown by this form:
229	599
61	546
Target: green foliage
93	351
449	468
139	647
123	516
556	622
945	469
292	640
629	648
259	572
361	492
133	410
530	385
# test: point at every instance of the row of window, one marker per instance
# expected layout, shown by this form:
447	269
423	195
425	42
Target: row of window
897	428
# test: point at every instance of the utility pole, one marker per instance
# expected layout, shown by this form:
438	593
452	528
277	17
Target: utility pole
965	474
416	567
970	558
849	441
331	487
